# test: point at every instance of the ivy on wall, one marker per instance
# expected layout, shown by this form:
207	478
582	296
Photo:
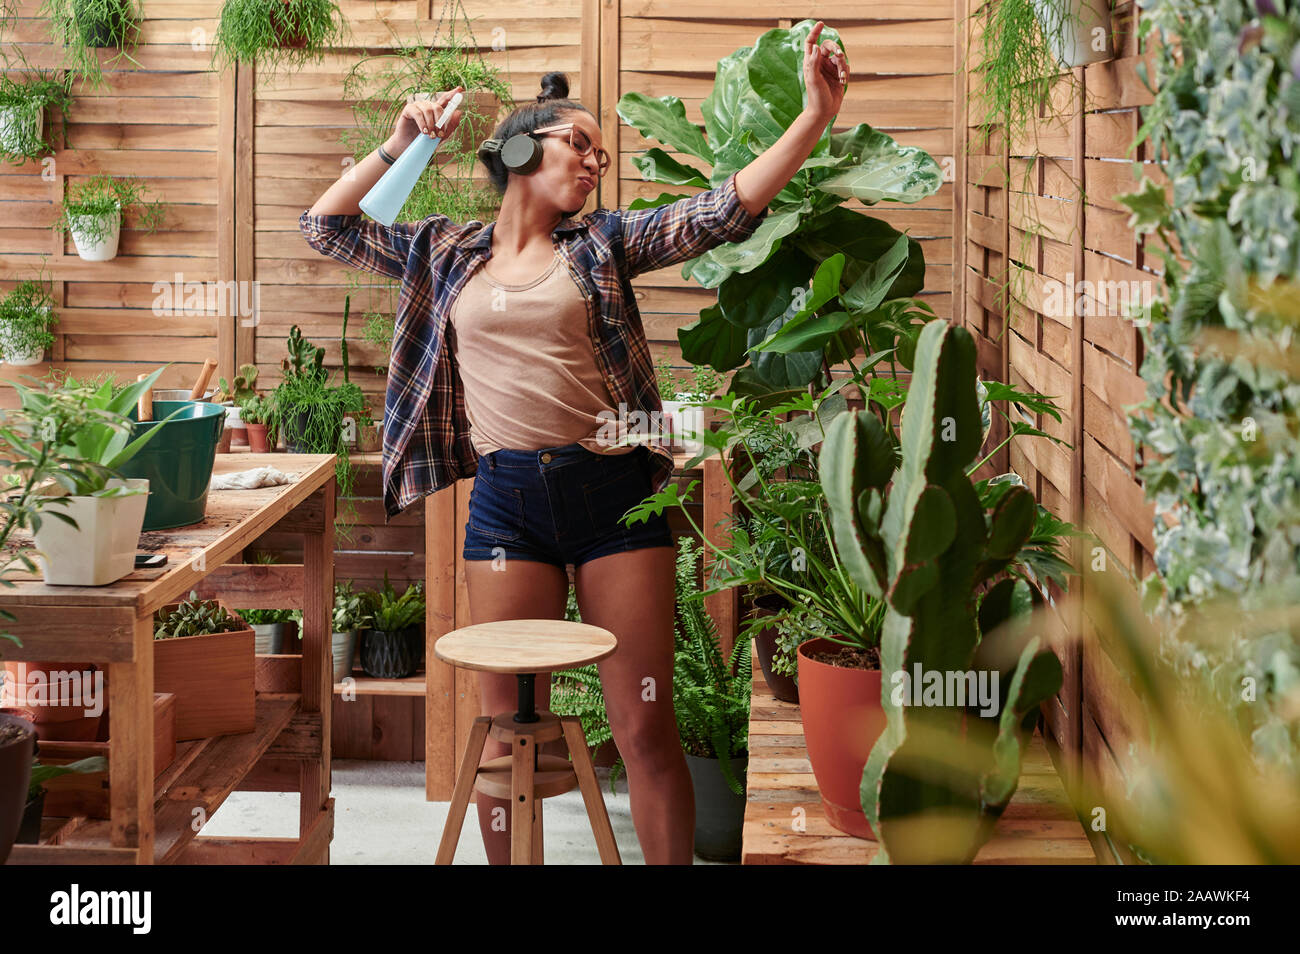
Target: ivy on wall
1218	434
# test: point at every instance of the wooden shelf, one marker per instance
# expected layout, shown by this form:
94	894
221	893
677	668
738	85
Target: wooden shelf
204	774
369	686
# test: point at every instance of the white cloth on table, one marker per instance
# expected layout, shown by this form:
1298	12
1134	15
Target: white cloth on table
248	479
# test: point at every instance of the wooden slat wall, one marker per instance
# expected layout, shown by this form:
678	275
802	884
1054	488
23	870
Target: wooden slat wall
901	58
166	124
1055	219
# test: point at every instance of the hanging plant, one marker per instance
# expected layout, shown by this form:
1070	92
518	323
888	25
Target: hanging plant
22	110
92	212
26	317
85	27
277	33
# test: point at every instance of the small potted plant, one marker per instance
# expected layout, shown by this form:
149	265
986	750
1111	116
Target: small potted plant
350	616
205	655
272	628
681	397
275	33
26	317
84	27
29	832
22	112
711	699
393	646
92	212
255	412
90	526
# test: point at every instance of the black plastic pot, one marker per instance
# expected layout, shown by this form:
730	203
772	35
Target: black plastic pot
29	832
101	31
719	812
391	655
783	687
15	773
297	445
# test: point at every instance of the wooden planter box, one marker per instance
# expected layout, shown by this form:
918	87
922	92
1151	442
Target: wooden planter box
88	795
212	679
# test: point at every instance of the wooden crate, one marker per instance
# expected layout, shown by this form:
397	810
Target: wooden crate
88	795
212	679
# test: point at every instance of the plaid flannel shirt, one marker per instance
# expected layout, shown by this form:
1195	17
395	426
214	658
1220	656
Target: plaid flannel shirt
426	431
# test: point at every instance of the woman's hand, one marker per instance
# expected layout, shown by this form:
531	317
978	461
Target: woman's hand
825	75
420	114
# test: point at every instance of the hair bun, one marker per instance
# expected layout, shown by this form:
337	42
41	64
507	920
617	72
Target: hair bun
555	85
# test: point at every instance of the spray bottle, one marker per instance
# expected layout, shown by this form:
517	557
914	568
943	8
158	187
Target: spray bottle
386	198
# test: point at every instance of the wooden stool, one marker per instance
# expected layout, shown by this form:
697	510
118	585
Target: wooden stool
526	647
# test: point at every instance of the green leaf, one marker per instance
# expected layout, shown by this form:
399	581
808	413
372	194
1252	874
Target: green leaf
871	287
664	119
1149	206
655	165
882	169
713	341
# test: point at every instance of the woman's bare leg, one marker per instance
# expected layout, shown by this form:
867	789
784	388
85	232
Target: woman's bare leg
518	589
633	595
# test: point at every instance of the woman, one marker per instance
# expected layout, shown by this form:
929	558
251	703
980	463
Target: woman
547	363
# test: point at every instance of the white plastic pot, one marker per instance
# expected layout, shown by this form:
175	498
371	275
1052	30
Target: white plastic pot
96	251
101	550
681	420
18	358
19	128
1078	31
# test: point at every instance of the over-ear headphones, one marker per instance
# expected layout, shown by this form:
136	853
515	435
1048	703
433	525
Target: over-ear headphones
521	153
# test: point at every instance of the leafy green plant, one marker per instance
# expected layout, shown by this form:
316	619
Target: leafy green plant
350	610
195	617
702	383
392	613
93	206
267	617
255	409
22	101
1219	432
26	317
914	534
763	282
379	331
86	26
243	387
91	425
277	34
47	773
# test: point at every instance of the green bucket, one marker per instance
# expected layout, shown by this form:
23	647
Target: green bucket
178	462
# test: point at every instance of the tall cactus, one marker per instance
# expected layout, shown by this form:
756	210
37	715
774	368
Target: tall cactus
918	536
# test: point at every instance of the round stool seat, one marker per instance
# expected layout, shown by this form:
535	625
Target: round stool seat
525	645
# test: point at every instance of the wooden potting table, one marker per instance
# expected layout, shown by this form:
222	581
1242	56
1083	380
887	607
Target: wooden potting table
784	822
159	819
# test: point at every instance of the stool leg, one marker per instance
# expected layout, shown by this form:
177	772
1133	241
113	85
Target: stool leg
590	789
521	799
538	853
478	734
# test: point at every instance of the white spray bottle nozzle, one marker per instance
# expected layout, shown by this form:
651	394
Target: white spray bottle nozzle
451	107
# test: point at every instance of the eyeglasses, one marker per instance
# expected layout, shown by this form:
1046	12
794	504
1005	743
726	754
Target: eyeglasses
580	142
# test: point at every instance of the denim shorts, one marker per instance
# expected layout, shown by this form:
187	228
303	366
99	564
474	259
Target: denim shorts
560	505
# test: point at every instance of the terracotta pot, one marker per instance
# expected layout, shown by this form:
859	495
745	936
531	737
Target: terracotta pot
257	443
55	720
842	718
783	687
283	37
15	772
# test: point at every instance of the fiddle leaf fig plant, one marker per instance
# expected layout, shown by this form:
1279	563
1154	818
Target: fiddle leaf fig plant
763	282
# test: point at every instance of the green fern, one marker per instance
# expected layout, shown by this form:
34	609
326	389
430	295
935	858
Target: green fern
710	693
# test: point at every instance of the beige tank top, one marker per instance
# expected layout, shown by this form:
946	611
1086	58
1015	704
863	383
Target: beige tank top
528	366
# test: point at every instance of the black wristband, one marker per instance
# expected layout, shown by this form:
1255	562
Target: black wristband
383	154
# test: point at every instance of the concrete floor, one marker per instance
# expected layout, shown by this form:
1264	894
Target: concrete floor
381	818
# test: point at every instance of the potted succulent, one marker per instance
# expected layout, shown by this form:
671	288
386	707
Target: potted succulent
255	412
276	33
307	412
92	212
26	317
205	656
17	745
683	414
711	700
22	112
271	628
29	832
350	616
84	27
392	647
89	529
